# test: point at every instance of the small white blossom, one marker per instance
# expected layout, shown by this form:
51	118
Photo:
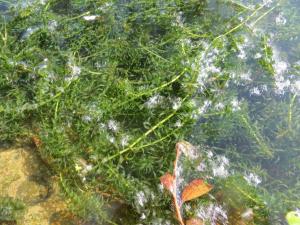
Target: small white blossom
87	118
52	25
154	101
282	85
219	106
111	139
201	167
124	140
247	214
252	179
178	124
210	154
160	187
143	216
29	32
246	76
223	160
220	170
213	214
255	91
257	56
75	70
280	19
90	18
204	107
113	125
176	103
141	199
267	2
242	54
235	105
280	67
296	87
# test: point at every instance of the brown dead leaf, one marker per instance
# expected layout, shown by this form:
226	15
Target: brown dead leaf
194	221
167	181
195	189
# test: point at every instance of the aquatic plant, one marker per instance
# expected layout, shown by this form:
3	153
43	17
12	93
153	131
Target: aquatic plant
106	88
10	209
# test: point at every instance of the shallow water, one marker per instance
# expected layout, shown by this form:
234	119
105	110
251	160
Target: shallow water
26	178
260	136
273	105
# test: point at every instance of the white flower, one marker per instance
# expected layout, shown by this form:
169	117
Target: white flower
87	118
213	214
176	103
76	70
143	216
296	86
246	76
90	18
124	140
204	107
267	2
160	187
255	91
154	101
280	19
210	154
111	139
178	124
52	25
141	199
220	170
113	125
29	32
201	167
280	67
282	85
219	106
252	179
188	150
257	56
247	214
235	105
223	160
213	69
242	54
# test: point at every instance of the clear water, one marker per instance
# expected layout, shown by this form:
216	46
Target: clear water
268	154
255	115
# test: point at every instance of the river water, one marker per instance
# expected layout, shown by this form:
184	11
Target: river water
268	153
254	121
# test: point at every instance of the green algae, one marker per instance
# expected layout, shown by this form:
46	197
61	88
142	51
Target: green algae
108	88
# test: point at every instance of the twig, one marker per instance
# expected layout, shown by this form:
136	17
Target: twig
141	137
291	112
263	146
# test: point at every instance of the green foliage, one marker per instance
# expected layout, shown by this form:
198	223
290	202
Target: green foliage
10	209
109	87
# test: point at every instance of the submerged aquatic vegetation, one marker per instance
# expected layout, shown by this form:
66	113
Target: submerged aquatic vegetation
107	87
10	209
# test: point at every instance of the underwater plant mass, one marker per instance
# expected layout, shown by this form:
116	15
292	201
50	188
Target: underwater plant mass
105	91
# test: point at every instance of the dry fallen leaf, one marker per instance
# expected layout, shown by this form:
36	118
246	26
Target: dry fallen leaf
195	189
167	181
194	221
